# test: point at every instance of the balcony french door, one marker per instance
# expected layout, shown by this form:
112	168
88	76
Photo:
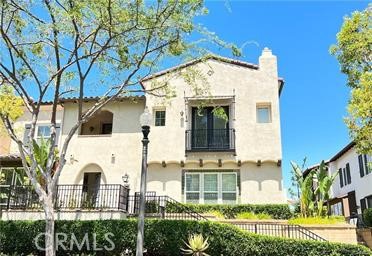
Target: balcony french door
208	130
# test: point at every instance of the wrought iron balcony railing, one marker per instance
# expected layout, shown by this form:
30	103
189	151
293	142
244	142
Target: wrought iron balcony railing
210	140
68	197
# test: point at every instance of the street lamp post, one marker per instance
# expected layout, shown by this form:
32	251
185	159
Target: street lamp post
145	121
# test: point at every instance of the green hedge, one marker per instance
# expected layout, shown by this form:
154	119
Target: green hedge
367	217
165	238
277	211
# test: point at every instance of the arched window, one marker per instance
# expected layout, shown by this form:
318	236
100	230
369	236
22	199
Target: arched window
101	123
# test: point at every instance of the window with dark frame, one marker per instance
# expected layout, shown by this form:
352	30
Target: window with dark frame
365	167
159	117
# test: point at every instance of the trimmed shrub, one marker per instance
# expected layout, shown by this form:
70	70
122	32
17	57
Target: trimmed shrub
252	216
165	238
318	220
277	211
367	217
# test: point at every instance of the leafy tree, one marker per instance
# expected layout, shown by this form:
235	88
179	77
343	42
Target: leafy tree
50	48
354	53
11	106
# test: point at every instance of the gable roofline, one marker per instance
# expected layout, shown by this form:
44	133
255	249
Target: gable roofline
207	57
334	158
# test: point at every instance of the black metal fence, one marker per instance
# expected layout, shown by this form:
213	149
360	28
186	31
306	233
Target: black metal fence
162	207
68	197
210	140
279	230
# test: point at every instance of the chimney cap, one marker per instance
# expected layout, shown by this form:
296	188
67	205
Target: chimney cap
266	52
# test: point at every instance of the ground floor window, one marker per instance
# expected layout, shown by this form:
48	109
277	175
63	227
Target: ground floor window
10	177
211	187
336	209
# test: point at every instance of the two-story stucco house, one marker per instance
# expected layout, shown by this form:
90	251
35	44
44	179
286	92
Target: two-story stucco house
194	155
351	192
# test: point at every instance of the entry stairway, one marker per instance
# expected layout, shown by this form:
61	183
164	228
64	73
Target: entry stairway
167	208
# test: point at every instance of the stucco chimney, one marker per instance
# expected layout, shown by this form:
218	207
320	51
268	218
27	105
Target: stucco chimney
268	63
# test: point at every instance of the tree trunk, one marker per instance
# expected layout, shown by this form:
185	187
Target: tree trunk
49	227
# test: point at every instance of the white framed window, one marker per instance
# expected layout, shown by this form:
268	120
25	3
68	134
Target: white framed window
263	112
211	187
192	187
229	188
43	131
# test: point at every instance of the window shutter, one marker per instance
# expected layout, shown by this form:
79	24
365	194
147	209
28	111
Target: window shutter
361	167
348	173
341	179
25	136
366	164
363	204
238	181
183	182
58	132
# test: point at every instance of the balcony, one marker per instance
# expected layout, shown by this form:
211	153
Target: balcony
210	140
68	197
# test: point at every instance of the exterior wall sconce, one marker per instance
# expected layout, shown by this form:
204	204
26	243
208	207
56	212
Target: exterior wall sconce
72	159
125	179
113	158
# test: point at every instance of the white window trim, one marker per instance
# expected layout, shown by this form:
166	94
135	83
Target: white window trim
264	105
156	109
219	186
37	131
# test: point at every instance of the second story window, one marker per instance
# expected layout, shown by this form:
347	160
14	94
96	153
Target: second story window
365	167
345	175
263	113
159	117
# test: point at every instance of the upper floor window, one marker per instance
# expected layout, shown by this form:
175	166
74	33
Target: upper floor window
100	124
345	175
263	113
365	162
159	117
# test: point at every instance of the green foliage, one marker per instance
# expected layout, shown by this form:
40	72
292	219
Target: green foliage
324	184
305	185
277	211
216	214
309	194
359	120
367	217
11	106
196	245
354	51
165	238
252	216
318	220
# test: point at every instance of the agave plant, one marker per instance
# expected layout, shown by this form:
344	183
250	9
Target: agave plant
196	245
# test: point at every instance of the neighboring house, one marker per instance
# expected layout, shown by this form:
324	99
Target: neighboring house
194	156
352	191
11	170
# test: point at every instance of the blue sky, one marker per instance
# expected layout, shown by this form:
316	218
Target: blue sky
314	99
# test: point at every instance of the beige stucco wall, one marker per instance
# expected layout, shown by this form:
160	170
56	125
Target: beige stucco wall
112	155
44	118
259	184
254	141
250	87
120	152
